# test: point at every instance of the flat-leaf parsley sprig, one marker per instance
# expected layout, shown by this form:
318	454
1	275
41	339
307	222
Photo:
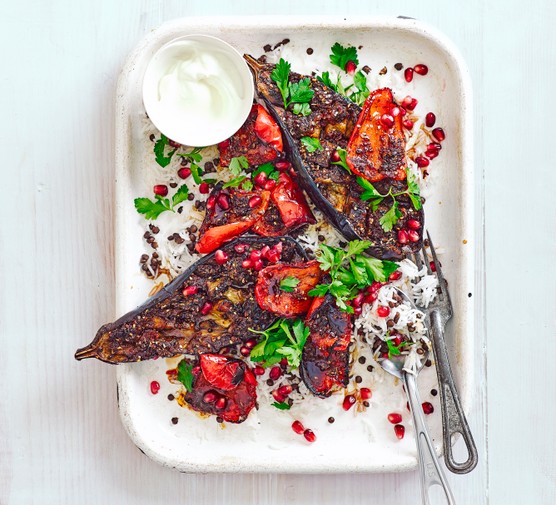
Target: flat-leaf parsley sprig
391	217
153	208
350	271
298	94
284	339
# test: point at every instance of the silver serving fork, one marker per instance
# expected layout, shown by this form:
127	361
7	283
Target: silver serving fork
453	418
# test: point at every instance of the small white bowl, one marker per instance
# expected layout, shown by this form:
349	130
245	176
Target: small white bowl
198	90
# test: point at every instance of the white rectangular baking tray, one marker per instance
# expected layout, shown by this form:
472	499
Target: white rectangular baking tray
266	444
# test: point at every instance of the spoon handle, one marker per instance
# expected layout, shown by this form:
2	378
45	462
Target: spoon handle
453	417
430	471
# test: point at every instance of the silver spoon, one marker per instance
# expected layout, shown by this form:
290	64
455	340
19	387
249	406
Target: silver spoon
430	471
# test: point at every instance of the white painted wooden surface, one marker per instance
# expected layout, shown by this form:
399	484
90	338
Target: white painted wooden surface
61	440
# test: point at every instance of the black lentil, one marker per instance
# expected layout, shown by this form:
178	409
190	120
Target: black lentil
174	420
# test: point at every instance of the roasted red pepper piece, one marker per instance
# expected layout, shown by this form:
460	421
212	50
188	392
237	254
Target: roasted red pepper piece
270	296
376	148
223	223
325	359
291	203
267	129
246	142
230	397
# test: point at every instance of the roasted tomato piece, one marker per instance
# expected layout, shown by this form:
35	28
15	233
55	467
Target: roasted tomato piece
283	289
246	142
325	359
267	129
291	203
230	212
271	224
235	400
376	148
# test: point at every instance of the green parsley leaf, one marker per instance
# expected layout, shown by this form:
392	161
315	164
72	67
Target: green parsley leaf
269	170
285	338
281	405
289	284
280	75
358	246
234	183
393	350
185	376
301	109
342	153
297	93
180	195
194	155
360	82
378	270
370	191
325	79
196	172
341	55
390	218
311	144
159	149
301	92
150	209
237	164
247	185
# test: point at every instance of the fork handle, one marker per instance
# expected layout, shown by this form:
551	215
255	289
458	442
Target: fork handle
453	417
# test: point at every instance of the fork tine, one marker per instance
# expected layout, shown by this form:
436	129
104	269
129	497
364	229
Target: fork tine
418	260
441	281
426	257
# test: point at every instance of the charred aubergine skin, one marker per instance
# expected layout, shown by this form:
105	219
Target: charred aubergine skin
331	188
176	322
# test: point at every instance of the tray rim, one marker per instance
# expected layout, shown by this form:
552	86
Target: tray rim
198	24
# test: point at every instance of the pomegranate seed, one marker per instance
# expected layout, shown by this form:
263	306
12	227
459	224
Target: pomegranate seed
173	143
422	162
282	166
397	340
275	373
221	403
264	251
402	237
365	393
408	124
240	248
298	427
413	235
438	134
357	311
413	224
350	67
270	185
399	430
395	418
427	408
204	188
433	266
195	370
278	397
434	146
309	435
155	387
395	111
160	190
284	362
252	342
190	290
184	173
220	257
224	144
209	397
383	311
223	201
285	390
260	179
395	276
432	153
258	265
246	264
358	300
244	351
334	157
374	287
255	201
430	119
207	307
370	298
409	103
273	257
211	202
408	74
348	402
387	120
258	370
421	69
278	247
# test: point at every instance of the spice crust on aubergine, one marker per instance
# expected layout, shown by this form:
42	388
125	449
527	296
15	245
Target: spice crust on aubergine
333	190
171	323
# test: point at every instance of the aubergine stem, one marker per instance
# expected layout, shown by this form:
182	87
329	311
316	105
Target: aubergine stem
254	65
89	351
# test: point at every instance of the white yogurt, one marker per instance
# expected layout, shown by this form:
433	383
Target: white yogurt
198	90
